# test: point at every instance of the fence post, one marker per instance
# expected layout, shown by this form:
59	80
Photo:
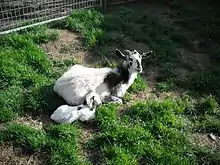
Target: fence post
104	4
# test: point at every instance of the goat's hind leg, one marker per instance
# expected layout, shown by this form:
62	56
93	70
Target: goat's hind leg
114	99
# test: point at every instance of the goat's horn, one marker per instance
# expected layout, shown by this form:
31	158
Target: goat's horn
147	53
127	51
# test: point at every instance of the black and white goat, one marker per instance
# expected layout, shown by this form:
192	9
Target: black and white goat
110	83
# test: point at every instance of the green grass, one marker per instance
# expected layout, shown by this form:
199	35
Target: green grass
27	77
120	30
23	136
24	69
138	85
12	102
132	25
151	131
88	24
60	141
63	146
165	86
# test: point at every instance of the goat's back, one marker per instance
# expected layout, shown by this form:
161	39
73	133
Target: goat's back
78	81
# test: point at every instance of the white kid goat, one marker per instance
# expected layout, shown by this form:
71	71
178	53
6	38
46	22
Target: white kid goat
110	83
69	114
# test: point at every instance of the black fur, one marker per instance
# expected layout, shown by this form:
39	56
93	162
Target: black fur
112	79
85	103
79	107
138	64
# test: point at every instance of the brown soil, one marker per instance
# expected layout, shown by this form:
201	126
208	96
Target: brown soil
68	46
29	121
207	140
38	122
90	129
10	155
199	61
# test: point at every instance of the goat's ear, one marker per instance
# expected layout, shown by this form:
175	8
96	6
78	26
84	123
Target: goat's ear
120	54
92	98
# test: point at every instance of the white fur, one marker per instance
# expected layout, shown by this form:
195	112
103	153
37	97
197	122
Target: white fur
69	114
78	81
122	88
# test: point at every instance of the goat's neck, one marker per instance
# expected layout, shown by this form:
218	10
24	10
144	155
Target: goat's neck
132	77
122	88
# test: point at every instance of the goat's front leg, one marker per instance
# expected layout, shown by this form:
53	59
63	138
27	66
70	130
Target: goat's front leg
114	99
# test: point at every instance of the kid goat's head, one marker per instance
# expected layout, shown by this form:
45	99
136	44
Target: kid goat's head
93	100
133	60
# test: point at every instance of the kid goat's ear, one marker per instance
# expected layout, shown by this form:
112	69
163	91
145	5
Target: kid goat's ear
92	98
120	54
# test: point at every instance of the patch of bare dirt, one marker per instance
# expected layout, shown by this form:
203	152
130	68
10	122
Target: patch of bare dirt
190	54
198	61
207	140
150	76
68	46
10	155
165	13
90	129
140	47
37	122
29	121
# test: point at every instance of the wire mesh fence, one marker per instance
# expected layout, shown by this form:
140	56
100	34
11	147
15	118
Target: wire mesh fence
116	2
19	13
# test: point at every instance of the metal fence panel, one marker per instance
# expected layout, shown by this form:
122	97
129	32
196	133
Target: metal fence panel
19	13
117	2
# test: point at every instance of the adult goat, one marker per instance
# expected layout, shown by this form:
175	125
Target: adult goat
110	83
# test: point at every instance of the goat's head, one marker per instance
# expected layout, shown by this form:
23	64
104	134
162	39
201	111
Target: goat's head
93	100
132	59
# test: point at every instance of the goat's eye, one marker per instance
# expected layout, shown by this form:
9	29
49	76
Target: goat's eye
130	59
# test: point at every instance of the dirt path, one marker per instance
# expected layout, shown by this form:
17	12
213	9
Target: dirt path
68	46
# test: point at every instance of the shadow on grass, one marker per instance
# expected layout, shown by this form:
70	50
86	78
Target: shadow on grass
48	101
182	55
134	27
